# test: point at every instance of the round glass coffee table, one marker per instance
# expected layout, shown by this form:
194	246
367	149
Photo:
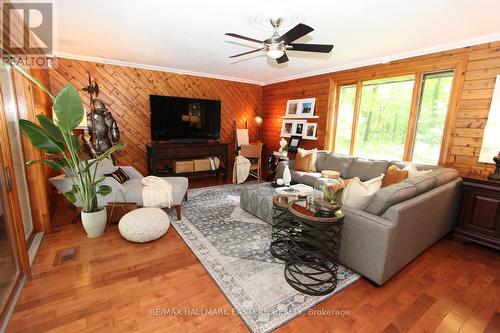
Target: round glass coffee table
308	243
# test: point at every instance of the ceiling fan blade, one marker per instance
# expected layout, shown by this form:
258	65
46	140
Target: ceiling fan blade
323	48
243	37
244	53
282	59
295	33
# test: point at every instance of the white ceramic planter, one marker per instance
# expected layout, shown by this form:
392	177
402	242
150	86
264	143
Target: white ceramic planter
94	223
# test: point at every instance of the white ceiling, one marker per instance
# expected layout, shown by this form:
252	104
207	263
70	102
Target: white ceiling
187	36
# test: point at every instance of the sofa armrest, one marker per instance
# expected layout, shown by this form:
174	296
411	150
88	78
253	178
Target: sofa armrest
367	242
131	172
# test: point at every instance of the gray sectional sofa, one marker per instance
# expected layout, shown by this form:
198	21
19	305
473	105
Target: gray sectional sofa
399	223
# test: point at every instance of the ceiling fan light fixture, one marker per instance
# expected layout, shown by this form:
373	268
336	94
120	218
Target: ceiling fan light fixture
275	51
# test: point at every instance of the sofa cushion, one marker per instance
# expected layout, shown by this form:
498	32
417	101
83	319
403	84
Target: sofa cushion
338	162
404	164
320	159
389	196
366	168
423	183
310	178
296	175
443	175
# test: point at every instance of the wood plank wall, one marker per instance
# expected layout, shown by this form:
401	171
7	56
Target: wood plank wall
481	64
126	90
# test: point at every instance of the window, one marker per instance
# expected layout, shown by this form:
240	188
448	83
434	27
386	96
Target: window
383	117
434	101
345	117
373	123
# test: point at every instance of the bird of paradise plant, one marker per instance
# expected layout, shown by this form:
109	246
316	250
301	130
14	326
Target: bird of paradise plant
62	147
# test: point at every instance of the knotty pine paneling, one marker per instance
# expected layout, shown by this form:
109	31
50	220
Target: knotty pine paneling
480	63
126	90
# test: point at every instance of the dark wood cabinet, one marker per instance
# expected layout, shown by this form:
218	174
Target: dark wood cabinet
480	215
167	152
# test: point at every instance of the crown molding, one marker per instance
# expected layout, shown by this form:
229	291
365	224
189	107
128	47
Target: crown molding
399	56
380	60
152	67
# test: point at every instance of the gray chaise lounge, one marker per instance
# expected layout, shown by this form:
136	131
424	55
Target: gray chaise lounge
129	191
401	221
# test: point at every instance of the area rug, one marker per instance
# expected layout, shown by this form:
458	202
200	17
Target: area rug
233	245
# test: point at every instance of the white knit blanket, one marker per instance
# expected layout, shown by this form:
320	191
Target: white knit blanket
156	192
241	169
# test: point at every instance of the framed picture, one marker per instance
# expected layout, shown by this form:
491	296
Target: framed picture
292	108
310	131
299	127
287	128
293	146
306	107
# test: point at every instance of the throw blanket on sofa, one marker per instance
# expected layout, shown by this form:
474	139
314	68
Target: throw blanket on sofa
241	169
156	192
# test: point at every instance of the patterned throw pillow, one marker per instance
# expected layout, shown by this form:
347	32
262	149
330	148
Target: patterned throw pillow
120	175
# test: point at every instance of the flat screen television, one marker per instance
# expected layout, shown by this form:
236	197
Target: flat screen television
178	119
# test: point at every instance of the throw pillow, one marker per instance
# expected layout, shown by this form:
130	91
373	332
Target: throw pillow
119	175
394	175
358	194
304	163
314	152
413	172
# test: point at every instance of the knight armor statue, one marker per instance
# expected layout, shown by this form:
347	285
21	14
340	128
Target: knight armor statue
102	132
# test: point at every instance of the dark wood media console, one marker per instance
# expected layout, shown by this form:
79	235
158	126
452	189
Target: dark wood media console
169	152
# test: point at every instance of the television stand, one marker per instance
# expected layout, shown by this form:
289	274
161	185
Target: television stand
165	152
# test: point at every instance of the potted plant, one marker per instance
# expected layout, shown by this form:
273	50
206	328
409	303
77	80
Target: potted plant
65	153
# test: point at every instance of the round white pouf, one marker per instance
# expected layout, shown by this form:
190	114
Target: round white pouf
144	224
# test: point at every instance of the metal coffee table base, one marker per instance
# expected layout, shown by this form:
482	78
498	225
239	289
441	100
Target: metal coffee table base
309	250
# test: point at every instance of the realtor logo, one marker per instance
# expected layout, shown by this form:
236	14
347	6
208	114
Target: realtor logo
27	31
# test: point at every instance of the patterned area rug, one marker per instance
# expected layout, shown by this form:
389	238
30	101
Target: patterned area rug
233	245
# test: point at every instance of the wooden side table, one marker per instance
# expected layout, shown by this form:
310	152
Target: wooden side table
480	213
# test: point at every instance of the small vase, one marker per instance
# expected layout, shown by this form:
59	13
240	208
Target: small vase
287	177
94	223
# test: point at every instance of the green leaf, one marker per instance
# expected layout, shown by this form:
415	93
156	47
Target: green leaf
54	164
32	79
107	153
104	190
39	137
68	108
51	128
99	180
70	196
110	151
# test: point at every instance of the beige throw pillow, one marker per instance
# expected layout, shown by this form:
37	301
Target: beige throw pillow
358	194
413	172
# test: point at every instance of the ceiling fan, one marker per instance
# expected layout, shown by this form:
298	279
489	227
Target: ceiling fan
276	46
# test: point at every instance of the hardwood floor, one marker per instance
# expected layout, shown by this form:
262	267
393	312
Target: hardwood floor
114	286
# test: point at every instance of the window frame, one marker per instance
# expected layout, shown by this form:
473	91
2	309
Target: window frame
457	67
